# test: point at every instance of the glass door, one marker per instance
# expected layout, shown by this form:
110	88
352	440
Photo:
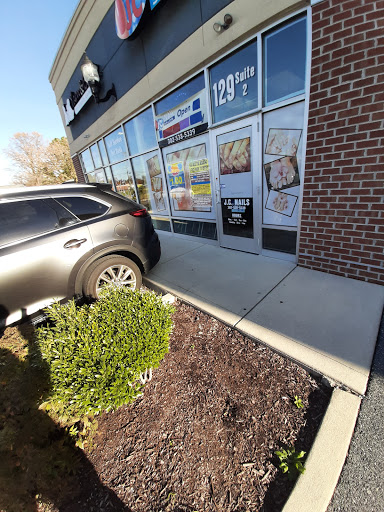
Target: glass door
236	155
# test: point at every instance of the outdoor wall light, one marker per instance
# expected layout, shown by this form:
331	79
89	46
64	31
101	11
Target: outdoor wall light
92	76
219	28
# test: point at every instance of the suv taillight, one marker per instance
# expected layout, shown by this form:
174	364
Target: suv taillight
139	213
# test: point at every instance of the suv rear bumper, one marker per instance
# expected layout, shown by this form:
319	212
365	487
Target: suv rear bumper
154	253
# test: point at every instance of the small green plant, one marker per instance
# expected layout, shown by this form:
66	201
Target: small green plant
100	355
290	462
298	402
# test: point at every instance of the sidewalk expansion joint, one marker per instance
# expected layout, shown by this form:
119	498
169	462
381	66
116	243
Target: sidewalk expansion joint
265	296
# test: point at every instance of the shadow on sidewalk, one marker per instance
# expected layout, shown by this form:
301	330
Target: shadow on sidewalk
39	465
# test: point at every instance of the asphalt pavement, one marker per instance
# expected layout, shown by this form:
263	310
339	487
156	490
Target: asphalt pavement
361	484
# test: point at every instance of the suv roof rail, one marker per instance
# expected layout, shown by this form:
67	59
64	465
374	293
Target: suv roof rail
101	186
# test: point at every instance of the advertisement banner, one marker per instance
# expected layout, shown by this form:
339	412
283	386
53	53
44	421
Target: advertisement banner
200	183
182	122
282	165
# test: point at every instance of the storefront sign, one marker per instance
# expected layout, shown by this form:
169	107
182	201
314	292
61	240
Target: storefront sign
182	122
76	101
234	84
128	14
237	215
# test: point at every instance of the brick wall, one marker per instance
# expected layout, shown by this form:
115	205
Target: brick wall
342	228
78	169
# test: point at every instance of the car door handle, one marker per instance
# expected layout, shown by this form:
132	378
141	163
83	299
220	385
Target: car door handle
71	244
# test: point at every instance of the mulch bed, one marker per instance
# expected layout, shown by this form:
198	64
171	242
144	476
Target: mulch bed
203	435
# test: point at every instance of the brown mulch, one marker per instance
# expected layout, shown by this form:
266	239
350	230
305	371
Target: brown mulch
203	435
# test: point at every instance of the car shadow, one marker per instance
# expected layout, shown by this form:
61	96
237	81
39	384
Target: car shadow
40	466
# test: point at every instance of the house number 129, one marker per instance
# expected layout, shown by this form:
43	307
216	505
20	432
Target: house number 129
225	90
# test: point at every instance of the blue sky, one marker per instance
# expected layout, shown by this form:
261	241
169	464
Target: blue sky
30	35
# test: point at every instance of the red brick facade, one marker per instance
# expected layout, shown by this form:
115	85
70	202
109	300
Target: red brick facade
78	169
342	227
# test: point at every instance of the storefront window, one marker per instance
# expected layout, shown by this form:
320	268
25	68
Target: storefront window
234	84
96	156
103	153
124	180
109	176
116	147
100	176
91	177
149	182
189	179
285	61
87	161
185	119
140	132
180	95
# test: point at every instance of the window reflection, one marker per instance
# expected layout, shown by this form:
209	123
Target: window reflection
108	174
181	94
149	182
96	156
87	160
284	62
103	153
124	180
116	147
140	132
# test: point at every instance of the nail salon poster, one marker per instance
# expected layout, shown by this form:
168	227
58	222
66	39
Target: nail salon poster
282	164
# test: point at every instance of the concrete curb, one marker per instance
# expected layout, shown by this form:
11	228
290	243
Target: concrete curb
314	489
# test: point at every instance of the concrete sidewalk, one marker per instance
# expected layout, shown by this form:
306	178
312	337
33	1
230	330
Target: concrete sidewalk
325	322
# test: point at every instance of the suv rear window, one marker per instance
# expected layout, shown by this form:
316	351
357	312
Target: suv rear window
83	207
25	219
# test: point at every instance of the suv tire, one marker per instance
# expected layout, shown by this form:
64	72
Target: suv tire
117	270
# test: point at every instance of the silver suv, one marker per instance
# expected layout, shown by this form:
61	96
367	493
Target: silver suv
65	240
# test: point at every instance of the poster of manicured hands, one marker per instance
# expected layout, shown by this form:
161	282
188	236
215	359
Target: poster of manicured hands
282	164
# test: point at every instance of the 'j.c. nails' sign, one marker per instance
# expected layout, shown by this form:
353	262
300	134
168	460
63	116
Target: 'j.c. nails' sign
128	14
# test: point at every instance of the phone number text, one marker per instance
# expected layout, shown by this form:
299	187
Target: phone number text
181	136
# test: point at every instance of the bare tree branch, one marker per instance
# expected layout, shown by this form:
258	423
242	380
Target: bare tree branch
39	162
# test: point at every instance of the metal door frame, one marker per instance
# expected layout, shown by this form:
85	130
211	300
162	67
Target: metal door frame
256	159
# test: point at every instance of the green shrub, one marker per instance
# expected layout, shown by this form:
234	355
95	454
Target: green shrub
290	462
96	353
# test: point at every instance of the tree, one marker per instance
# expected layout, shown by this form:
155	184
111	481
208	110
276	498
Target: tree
39	162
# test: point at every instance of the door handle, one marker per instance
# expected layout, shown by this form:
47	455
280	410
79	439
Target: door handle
72	244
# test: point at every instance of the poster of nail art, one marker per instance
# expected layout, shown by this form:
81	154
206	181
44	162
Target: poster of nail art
281	203
282	164
282	173
282	141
